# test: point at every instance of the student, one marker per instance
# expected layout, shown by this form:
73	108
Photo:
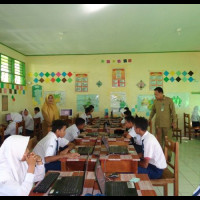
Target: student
86	114
29	122
48	147
19	169
152	161
195	118
73	131
11	129
126	114
38	114
92	110
197	192
135	138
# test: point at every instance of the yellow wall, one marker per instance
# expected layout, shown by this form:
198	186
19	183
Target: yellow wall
138	70
21	100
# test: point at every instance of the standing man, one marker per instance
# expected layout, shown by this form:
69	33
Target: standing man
164	109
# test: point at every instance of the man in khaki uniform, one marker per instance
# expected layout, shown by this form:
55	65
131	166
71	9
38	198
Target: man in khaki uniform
164	109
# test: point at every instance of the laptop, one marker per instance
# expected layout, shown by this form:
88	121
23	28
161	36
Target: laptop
85	150
115	136
121	150
69	185
112	188
95	134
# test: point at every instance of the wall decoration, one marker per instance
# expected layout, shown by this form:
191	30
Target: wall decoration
99	83
13	98
141	85
155	80
174	77
53	77
125	60
81	83
59	96
11	88
181	100
145	103
84	101
37	95
195	92
118	77
4	102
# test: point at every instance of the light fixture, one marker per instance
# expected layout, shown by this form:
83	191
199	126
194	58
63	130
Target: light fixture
179	31
94	7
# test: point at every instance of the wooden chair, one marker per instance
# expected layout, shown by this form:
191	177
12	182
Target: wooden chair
2	134
168	176
32	143
177	132
20	124
37	132
188	126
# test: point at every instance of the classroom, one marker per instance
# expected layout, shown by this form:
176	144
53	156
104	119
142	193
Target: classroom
111	56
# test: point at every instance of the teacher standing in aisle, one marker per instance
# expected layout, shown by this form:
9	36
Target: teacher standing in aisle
50	113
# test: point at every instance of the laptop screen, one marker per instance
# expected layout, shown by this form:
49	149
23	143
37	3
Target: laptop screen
101	180
8	117
66	112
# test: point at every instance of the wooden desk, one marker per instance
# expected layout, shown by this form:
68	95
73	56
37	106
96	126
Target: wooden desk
112	130
144	186
119	163
88	184
118	141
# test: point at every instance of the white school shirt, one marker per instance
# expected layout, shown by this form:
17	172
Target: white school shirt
39	115
85	117
11	129
123	121
198	189
47	146
153	151
136	137
72	132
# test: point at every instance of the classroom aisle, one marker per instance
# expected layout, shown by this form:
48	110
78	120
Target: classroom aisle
189	170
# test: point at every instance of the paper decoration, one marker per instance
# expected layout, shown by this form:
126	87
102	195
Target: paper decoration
53	77
195	92
81	84
37	94
59	97
145	103
84	101
11	88
181	100
99	84
141	85
13	98
118	77
156	80
125	60
4	102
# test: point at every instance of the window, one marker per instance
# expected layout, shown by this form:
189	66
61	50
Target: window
12	71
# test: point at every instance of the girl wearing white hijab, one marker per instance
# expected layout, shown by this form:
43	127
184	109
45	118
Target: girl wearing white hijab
195	118
19	169
11	129
29	122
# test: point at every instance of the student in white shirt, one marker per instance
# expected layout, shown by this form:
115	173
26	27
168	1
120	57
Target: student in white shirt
38	114
86	115
19	169
126	114
73	131
135	138
48	147
152	161
195	118
197	192
11	129
29	122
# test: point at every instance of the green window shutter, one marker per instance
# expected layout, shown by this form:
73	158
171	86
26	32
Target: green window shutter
19	73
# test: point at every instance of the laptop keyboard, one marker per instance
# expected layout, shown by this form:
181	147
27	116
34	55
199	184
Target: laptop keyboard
118	150
118	188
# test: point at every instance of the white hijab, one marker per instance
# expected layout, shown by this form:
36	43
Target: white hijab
28	116
195	114
11	154
16	117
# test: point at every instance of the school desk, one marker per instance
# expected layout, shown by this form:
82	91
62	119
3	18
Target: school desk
88	183
144	186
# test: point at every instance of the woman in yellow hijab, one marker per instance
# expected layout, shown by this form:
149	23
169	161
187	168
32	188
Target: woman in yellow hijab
50	113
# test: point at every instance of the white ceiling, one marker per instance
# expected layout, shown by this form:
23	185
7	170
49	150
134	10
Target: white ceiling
46	29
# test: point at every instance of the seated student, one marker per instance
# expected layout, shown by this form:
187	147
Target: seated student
29	122
38	114
19	169
152	161
73	131
11	129
126	114
195	118
48	147
135	138
86	114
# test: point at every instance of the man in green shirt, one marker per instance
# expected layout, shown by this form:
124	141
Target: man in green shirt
164	109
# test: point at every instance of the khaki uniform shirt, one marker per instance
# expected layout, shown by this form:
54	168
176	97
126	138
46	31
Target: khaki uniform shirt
165	112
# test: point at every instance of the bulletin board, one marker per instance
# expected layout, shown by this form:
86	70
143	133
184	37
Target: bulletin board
118	78
81	83
4	102
155	80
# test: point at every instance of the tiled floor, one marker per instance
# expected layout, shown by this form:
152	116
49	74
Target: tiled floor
189	168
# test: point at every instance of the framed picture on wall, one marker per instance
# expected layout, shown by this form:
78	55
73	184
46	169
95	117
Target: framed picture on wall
81	83
4	102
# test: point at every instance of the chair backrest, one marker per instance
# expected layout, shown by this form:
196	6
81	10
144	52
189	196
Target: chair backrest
174	148
20	124
32	143
186	120
37	126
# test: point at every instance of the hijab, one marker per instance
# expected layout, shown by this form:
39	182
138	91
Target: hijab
195	114
11	154
16	117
